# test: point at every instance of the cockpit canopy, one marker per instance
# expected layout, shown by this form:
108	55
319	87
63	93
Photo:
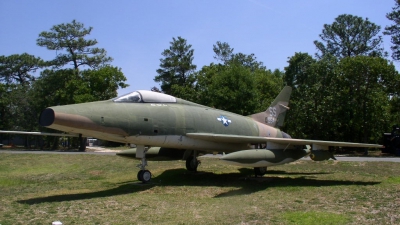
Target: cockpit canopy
143	96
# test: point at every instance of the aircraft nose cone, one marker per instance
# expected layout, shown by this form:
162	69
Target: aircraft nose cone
46	117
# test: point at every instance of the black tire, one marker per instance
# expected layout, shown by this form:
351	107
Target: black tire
192	164
144	176
260	171
140	175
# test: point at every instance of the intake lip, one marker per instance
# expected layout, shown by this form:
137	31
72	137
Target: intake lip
46	117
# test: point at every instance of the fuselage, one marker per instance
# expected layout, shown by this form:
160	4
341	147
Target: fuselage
157	123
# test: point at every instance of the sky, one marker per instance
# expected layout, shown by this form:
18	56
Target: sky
135	33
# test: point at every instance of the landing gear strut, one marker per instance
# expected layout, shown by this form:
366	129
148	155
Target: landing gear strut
260	171
143	174
192	162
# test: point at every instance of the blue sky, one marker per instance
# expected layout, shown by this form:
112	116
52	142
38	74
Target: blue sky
135	33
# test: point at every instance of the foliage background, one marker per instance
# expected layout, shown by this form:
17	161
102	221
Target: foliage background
348	91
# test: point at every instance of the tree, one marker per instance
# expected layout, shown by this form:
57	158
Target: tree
17	108
203	81
248	61
223	52
395	109
352	99
365	101
19	68
56	87
186	91
236	88
5	102
70	38
350	36
298	75
232	89
268	84
23	97
68	86
394	30
16	75
241	76
23	113
101	84
176	66
310	114
298	70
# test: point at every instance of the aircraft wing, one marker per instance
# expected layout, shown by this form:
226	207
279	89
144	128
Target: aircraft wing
226	138
38	133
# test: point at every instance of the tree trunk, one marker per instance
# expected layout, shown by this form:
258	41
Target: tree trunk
55	143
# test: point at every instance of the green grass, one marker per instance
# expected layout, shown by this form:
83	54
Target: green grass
315	218
95	189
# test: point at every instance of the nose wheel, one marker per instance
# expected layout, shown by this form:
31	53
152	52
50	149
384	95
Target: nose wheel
144	176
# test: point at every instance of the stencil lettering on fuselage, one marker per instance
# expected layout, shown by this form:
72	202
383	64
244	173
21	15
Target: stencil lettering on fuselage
272	115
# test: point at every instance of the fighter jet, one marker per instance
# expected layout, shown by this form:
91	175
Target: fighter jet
169	127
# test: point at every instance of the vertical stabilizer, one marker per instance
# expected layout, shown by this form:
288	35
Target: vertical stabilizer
275	114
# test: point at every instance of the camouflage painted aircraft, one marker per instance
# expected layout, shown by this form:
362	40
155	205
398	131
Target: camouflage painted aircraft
165	126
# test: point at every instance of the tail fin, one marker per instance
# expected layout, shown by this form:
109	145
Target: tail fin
276	112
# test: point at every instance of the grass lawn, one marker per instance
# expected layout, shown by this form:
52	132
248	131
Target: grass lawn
95	189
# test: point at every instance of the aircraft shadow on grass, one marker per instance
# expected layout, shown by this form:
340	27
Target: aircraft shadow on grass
244	180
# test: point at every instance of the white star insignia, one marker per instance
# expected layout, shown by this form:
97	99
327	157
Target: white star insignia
225	121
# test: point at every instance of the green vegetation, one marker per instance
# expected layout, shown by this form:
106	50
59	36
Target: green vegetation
95	189
91	78
394	30
349	91
316	218
350	36
177	66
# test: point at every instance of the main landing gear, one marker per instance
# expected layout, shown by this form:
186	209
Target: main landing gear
192	163
191	160
260	171
143	175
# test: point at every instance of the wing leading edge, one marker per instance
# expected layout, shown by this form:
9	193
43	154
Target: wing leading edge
38	133
254	140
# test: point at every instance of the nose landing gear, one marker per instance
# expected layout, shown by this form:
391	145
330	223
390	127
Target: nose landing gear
143	175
